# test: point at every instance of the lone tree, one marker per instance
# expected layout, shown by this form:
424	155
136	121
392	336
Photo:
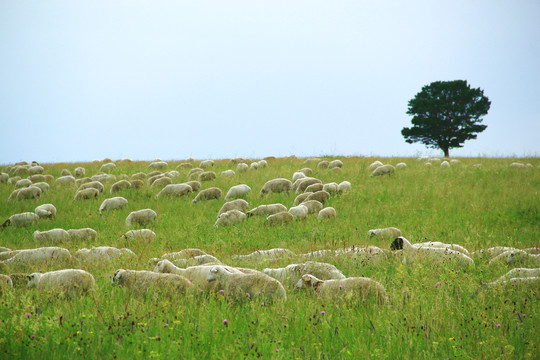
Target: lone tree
445	114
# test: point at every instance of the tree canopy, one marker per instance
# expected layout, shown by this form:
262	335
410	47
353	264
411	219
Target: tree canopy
446	114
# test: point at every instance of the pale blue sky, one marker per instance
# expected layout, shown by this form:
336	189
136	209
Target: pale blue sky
83	80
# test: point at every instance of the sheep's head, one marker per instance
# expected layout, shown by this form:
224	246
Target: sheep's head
118	275
397	244
33	279
308	281
162	266
212	274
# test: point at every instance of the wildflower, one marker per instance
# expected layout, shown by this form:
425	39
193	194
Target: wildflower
437	284
248	295
33	336
323	312
340	286
222	291
276	350
28	315
110	275
498	325
259	293
166	324
523	315
226	322
403	291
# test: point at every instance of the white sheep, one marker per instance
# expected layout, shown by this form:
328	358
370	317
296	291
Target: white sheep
517	165
242	167
21	220
195	185
141	217
445	164
39	256
516	256
161	182
383	170
262	164
320	196
207	176
141	234
298	175
80	172
239	286
120	185
68	281
36	178
238	192
208	194
323	164
493	251
94	185
362	254
302	184
514	275
314	187
23	183
114	203
183	254
43	186
175	190
159	165
301	198
270	209
198	260
293	272
254	166
279	218
84	234
4	178
45	211
385	233
239	204
36	170
276	186
230	217
299	212
107	168
313	206
66	172
103	254
335	164
438	244
186	165
141	281
327	213
401	165
54	235
375	165
331	188
206	164
227	173
31	192
271	254
65	180
360	287
435	254
86	194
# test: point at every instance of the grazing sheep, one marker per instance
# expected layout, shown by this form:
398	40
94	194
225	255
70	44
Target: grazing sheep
84	234
271	254
401	165
238	192
65	180
114	203
141	234
301	198
159	165
262	164
23	183
39	256
103	177
242	167
436	255
183	254
360	287
80	172
161	182
236	160
141	217
86	194
516	257
207	176
438	244
36	178
206	164
198	260
120	185
31	192
383	170
493	251
137	184
66	172
267	210
321	196
362	254
81	181
386	233
208	194
185	166
138	176
313	206
327	213
323	164
107	168
293	272
54	235
92	185
517	165
314	187
279	218
254	166
428	165
276	186
239	204
21	220
13	180
68	281
312	160
375	165
302	184
3	178
13	195
176	190
515	274
102	254
445	164
298	175
141	281
229	218
195	185
36	170
330	188
335	164
239	286
228	173
194	172
6	284
299	212
43	186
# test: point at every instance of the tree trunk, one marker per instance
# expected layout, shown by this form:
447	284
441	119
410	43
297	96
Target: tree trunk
446	152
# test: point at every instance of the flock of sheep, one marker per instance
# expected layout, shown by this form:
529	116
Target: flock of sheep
194	271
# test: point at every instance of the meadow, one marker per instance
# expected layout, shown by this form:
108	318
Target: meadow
433	312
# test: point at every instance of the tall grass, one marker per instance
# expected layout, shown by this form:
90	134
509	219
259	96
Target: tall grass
433	312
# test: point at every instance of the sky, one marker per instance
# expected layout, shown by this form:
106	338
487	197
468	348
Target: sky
84	80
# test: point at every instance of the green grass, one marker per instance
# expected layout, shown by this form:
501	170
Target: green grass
476	208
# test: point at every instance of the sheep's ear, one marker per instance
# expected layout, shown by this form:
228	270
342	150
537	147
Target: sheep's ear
306	278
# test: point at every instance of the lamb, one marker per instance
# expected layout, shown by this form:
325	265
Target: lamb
103	254
313	206
84	234
229	218
141	234
195	185
107	168
375	165
238	192
516	275
279	218
208	194
39	256
320	196
207	176
159	165
239	204
93	185
31	192
21	220
142	281
240	286
272	254
360	287
175	190
227	173
80	172
54	235
331	188
327	213
114	203
435	254
141	217
276	186
312	160
335	164
314	187
86	194
299	212
383	170
6	284
293	273
65	180
206	164
68	281
386	233
242	167
120	185
43	186
267	210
